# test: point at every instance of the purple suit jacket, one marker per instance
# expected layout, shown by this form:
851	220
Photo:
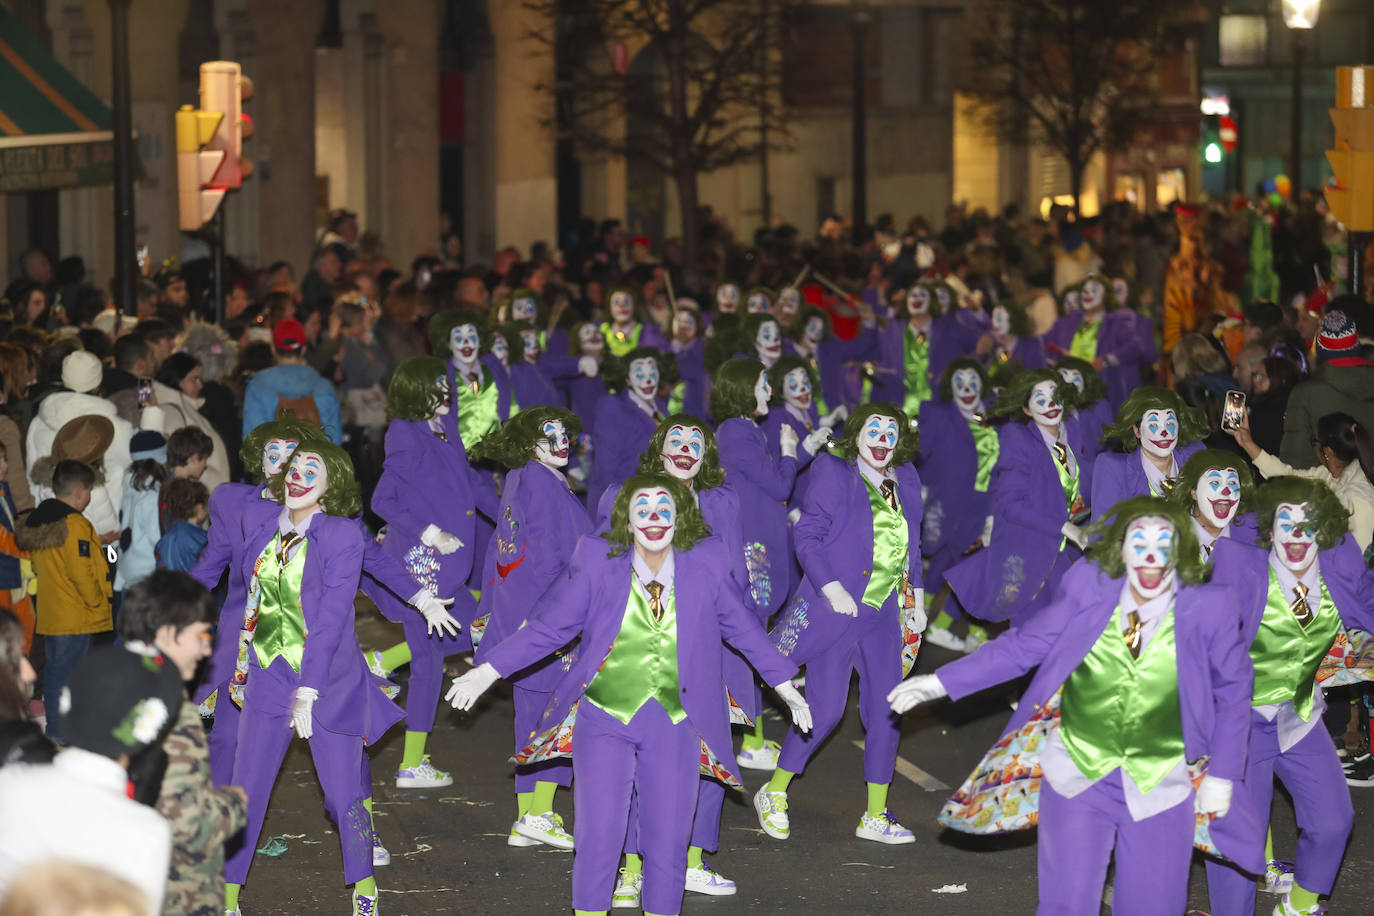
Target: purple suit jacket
532	388
951	336
954	511
499	375
831	357
762	482
1028	351
620	431
691	364
589	600
1119	341
1117	476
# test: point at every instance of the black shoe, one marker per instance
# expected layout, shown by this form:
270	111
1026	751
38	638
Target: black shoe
1352	759
1360	773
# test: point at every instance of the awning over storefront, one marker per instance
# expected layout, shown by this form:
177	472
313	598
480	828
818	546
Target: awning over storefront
54	132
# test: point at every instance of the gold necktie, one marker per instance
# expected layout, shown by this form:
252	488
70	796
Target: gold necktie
1207	548
655	590
889	491
1166	485
474	382
288	541
1061	454
1300	608
1133	634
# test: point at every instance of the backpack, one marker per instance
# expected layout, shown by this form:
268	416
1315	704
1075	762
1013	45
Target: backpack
302	408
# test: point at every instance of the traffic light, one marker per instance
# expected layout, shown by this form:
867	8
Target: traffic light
1352	199
222	89
197	196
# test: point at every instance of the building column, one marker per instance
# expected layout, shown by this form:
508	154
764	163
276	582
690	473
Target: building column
526	176
242	208
78	223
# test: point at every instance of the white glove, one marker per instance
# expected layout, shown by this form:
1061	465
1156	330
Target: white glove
914	691
1213	796
467	688
794	516
840	599
816	440
787	441
835	417
435	611
1074	533
916	617
440	540
587	366
796	703
301	718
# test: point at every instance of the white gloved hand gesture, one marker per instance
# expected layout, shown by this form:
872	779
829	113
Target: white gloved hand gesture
816	440
793	516
468	687
839	598
796	703
435	611
914	691
835	417
440	540
1075	534
1213	796
915	618
587	366
787	441
302	719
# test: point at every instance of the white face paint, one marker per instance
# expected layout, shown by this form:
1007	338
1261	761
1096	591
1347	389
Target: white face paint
1121	289
1094	296
306	481
653	519
439	401
796	389
644	378
499	348
1148	552
877	440
524	309
942	294
589	340
274	455
758	303
1001	321
1042	406
1074	377
529	338
814	330
768	342
1217	495
684	325
683	449
552	450
1294	544
918	300
464	343
967	387
727	297
789	301
622	308
1158	431
1071	303
763	393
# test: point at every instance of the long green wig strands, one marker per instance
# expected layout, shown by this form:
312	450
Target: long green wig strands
690	526
512	445
1094	389
732	388
651	461
1200	463
785	365
1326	517
798	329
1017	392
442	324
1106	536
847	446
416	389
615	370
255	443
1192	423
342	496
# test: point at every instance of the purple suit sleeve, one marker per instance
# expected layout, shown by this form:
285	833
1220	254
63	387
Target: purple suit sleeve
562	612
383	568
742	630
823	503
747	457
1233	684
558	368
863	346
331	611
397	498
214	560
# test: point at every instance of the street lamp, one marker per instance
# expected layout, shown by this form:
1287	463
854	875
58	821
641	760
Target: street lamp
1300	16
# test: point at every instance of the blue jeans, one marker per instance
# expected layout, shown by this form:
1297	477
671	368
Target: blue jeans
60	656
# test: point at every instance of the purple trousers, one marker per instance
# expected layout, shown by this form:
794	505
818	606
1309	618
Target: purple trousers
1311	773
223	738
875	651
529	706
705	825
1078	836
264	735
427	653
654	759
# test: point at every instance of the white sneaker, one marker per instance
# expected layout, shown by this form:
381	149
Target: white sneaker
972	641
759	758
516	839
424	776
771	808
705	880
883	829
380	854
1284	908
374	663
627	891
939	636
364	905
234	912
1278	877
544	828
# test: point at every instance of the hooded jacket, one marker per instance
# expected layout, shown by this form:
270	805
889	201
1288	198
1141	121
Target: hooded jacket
73	578
1331	389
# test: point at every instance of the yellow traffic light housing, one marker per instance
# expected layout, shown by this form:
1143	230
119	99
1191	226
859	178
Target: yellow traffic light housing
1352	198
197	197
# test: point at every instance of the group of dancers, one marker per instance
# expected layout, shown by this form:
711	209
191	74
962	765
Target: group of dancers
558	503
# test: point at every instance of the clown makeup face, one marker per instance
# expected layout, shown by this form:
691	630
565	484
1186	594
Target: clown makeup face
552	450
1158	432
523	309
1001	321
789	301
727	297
684	326
1217	495
877	440
1295	542
1121	289
589	340
1094	296
1148	552
622	308
306	481
530	338
758	303
682	451
967	387
944	298
1071	303
768	342
499	348
1043	407
796	389
276	452
463	343
653	519
1073	377
814	330
644	378
918	301
439	400
763	393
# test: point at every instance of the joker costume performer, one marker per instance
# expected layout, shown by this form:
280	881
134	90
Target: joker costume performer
1012	340
761	338
625	419
1091	416
812	337
482	398
1103	334
794	404
532	377
649	670
539	522
859	606
623	330
1298	595
1140	672
915	350
1216	489
689	347
1164	429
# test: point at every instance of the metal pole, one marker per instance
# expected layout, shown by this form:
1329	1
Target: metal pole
1356	242
860	150
764	64
124	265
1295	153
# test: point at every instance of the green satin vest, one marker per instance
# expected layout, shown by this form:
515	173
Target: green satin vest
916	353
281	622
617	344
478	411
1084	343
1118	711
1286	656
816	392
988	447
1070	484
642	665
890	549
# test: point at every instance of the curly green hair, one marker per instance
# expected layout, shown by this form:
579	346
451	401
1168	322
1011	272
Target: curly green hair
1327	518
732	388
416	389
442	324
783	367
615	370
908	439
1200	463
947	377
1109	531
513	444
1094	389
651	461
342	496
690	529
1016	395
1192	423
255	443
798	328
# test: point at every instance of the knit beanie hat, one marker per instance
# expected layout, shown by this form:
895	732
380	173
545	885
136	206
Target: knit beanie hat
81	371
119	702
148	443
1337	337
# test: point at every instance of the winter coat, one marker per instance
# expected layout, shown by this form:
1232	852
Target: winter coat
73	578
1331	389
175	410
56	411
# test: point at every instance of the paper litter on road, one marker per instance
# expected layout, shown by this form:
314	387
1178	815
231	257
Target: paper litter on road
950	889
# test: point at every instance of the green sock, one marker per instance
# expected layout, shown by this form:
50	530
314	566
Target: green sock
634	865
694	857
978	631
522	803
753	740
589	913
367	805
541	799
414	753
780	781
942	620
367	887
1269	845
231	896
877	798
1300	899
396	656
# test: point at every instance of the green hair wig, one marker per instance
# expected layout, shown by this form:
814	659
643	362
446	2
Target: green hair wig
947	377
1192	423
732	388
416	389
615	370
936	309
784	366
690	529
710	476
908	439
1018	319
1107	534
1017	392
255	443
342	496
1200	463
524	292
442	324
798	328
1327	518
1094	389
636	313
513	444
